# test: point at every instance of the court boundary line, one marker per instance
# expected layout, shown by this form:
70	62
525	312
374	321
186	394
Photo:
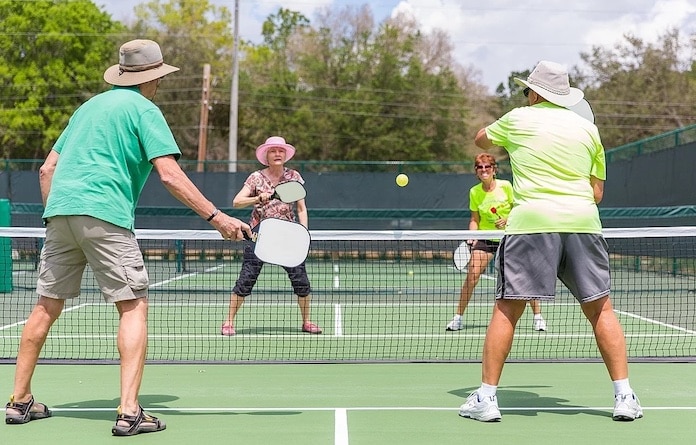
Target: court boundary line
213	410
653	321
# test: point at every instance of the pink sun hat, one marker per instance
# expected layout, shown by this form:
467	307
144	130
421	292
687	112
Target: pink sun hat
273	142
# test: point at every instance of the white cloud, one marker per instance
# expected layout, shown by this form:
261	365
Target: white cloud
497	36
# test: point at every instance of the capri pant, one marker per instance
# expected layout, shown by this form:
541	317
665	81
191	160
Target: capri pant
251	268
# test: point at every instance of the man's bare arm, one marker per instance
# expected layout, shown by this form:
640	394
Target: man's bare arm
46	174
481	140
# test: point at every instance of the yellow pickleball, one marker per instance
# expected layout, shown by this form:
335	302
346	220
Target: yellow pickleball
401	180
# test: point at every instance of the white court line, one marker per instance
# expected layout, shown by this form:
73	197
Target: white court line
372	408
341	433
80	306
338	321
19	323
341	427
659	323
188	275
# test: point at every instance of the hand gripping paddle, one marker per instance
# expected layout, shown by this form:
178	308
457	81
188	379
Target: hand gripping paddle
281	242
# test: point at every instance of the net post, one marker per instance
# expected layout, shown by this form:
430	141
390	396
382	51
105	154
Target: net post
5	248
179	255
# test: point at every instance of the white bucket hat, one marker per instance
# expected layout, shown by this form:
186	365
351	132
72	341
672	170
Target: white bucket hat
274	141
139	61
550	81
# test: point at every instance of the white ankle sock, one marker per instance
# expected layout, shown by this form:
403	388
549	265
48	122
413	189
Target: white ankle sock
487	390
622	387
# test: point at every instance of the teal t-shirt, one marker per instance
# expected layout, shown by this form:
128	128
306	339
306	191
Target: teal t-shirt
553	152
105	153
483	202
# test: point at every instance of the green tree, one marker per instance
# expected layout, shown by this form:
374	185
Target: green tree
639	89
345	89
191	33
52	57
271	95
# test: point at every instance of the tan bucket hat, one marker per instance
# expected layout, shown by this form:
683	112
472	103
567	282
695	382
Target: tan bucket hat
139	61
550	81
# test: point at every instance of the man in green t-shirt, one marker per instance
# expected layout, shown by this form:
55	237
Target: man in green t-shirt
90	184
553	231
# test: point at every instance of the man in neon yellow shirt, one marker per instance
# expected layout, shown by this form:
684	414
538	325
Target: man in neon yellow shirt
553	230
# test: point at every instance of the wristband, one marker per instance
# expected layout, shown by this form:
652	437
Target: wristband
213	215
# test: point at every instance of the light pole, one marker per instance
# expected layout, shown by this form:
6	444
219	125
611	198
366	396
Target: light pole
234	96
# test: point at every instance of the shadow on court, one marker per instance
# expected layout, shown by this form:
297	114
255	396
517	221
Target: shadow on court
154	403
270	330
527	403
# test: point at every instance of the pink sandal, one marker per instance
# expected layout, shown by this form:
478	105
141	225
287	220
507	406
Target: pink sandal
311	328
227	330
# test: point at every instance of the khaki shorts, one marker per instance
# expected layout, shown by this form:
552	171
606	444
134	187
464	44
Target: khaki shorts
112	253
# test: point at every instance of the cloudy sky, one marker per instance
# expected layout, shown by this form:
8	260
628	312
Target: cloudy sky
496	36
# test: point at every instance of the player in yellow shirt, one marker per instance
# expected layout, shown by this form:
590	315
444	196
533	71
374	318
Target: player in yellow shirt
490	203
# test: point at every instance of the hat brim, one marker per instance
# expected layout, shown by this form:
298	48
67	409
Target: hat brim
262	152
564	100
113	76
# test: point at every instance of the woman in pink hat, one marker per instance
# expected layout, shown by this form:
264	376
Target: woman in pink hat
257	191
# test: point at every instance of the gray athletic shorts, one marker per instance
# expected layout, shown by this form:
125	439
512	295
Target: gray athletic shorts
112	253
526	265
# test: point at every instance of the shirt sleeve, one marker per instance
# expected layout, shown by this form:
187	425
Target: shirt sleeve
498	131
599	164
473	199
156	136
253	181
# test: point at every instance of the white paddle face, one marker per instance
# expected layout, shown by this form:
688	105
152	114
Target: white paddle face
462	255
289	192
281	242
584	109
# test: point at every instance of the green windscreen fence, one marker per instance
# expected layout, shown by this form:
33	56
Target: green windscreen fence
182	218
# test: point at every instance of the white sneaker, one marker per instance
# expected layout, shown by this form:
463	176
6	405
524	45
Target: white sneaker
627	407
483	409
455	324
539	324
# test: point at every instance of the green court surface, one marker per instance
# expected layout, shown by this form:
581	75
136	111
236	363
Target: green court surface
360	404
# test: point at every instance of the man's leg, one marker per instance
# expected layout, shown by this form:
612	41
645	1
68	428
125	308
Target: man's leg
132	347
609	335
482	404
499	336
612	345
34	334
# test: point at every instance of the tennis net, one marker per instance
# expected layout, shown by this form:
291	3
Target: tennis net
379	296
